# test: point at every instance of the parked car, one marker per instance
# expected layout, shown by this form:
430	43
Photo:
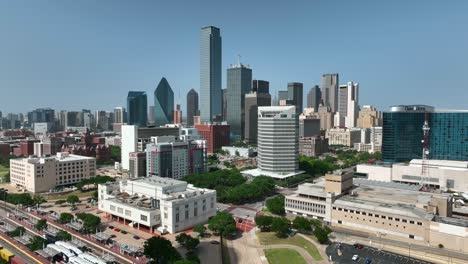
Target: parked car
358	246
368	260
136	237
117	229
123	232
111	227
355	258
215	242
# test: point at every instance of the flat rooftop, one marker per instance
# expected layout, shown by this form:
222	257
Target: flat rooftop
258	172
158	181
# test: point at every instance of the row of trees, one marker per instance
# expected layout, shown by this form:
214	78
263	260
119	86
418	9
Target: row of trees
94	181
24	199
260	187
90	221
35	242
282	226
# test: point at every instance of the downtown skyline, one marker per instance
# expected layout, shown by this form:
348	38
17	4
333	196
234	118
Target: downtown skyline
413	75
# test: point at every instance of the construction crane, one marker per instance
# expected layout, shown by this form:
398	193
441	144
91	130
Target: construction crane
425	151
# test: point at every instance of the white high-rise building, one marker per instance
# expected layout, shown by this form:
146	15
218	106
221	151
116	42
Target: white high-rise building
352	105
278	139
119	115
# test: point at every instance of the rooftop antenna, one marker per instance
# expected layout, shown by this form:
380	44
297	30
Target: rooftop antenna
238	59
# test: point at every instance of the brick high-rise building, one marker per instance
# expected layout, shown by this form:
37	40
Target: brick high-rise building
177	115
216	135
27	147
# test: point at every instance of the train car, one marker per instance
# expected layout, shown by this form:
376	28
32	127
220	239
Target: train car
6	254
78	260
92	259
66	253
70	246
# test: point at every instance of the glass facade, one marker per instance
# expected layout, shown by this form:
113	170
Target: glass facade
137	108
210	73
163	104
448	136
239	83
402	136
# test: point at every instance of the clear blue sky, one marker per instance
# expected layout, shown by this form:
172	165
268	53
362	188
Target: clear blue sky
71	55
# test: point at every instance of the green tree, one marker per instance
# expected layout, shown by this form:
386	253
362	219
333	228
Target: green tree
187	241
36	243
223	224
90	222
24	199
321	233
17	232
264	222
315	222
38	200
73	199
237	153
276	205
65	218
301	223
160	250
95	195
192	257
115	153
41	224
183	261
200	229
280	226
63	235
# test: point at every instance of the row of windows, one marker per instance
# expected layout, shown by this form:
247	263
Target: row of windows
377	216
409	236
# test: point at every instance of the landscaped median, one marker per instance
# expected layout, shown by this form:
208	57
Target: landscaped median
270	238
283	255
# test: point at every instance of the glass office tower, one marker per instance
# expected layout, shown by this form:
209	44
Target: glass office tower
210	74
402	133
163	104
137	108
448	138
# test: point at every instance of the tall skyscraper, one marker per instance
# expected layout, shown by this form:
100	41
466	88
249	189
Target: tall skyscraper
210	73
119	115
278	139
352	104
239	83
313	98
151	115
260	86
137	107
343	100
224	104
177	115
258	97
282	95
163	104
192	106
330	82
296	95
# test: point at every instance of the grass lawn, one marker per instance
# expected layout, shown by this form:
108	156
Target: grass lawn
3	171
283	255
269	238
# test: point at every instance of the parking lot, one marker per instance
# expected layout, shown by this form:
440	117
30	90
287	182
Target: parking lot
375	255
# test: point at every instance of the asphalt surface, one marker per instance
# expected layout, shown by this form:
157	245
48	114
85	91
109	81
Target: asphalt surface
375	255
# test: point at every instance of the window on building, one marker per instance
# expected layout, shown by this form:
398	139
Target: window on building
339	222
397	219
411	222
404	220
143	218
419	223
195	211
411	236
377	215
186	214
128	213
165	215
383	216
370	214
204	208
177	217
390	218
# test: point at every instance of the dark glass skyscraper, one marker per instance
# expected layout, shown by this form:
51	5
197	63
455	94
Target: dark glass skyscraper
137	108
258	97
239	83
260	86
296	95
210	73
163	104
192	106
313	98
402	133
